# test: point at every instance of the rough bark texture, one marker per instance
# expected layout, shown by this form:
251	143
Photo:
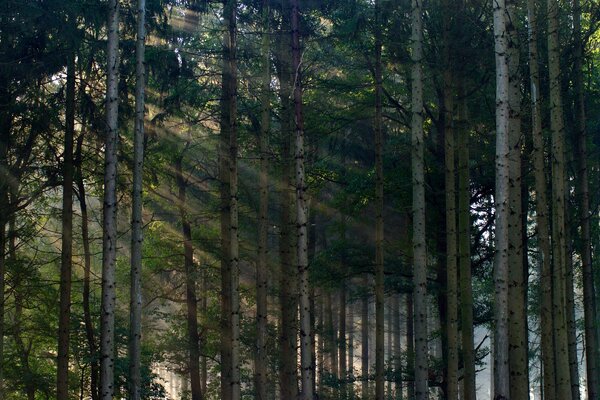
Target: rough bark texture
418	207
306	365
66	255
563	381
589	298
541	207
450	209
501	200
260	362
191	300
109	224
230	335
518	343
379	263
135	302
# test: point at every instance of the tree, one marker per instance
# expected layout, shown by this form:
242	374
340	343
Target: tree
501	200
418	204
109	227
135	302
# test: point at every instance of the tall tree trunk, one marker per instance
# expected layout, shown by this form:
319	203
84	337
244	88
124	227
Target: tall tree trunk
351	378
306	365
589	298
191	300
501	200
3	200
330	334
397	350
66	257
570	302
464	249
450	192
364	338
410	345
418	207
135	302
379	263
230	337
260	362
109	224
87	271
541	203
519	382
288	335
343	370
563	381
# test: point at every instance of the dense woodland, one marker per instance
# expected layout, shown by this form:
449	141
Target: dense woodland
299	199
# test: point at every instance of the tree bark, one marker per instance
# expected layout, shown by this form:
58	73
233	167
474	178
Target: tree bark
135	302
563	381
306	365
501	200
343	370
518	343
261	363
66	257
543	232
410	345
230	337
379	232
589	298
418	207
109	225
364	338
396	348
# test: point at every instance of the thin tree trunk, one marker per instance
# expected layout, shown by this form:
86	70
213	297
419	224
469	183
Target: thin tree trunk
543	233
563	381
570	302
306	365
450	192
343	370
589	298
330	334
135	304
87	271
288	334
261	363
109	225
501	200
410	345
418	207
464	250
396	348
379	232
364	338
516	288
350	346
230	336
191	300
66	258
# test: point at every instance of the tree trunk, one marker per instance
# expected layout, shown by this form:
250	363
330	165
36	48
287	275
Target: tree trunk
109	225
464	249
396	348
518	343
191	300
379	263
501	200
364	338
135	302
410	345
306	365
543	233
563	381
230	337
330	334
570	302
288	334
87	271
450	193
418	207
261	362
589	298
66	257
343	370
